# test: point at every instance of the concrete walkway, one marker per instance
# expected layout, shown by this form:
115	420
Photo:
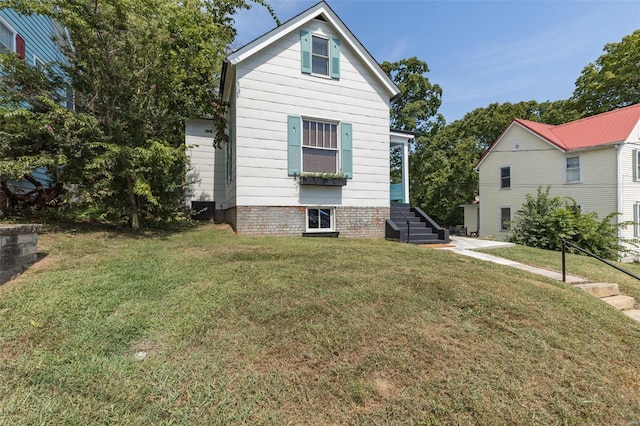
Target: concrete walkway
466	246
607	292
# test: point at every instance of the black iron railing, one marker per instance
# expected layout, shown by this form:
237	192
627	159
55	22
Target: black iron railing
566	243
406	218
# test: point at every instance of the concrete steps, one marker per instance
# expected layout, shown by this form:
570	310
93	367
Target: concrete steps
610	293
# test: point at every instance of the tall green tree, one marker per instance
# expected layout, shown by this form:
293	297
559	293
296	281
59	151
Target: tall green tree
419	99
141	67
415	108
613	80
39	137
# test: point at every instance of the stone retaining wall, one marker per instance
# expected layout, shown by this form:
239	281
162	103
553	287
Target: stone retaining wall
18	249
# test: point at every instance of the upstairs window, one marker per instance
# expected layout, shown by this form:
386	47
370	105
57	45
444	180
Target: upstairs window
320	55
319	147
10	40
636	164
38	63
572	169
7	38
505	177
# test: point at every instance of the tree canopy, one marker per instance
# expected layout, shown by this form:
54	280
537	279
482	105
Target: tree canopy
613	80
442	175
140	68
418	100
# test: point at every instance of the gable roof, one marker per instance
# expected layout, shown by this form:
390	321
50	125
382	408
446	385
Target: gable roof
608	128
322	11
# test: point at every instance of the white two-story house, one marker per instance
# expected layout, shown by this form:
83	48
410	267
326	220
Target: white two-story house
309	137
595	161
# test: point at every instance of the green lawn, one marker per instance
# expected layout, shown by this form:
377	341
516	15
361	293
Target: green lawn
241	330
582	266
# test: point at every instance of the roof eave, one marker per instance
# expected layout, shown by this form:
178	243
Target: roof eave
324	10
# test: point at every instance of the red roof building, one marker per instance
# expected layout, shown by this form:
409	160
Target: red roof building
594	161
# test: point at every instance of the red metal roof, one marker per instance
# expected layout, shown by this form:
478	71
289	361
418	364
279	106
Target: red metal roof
602	129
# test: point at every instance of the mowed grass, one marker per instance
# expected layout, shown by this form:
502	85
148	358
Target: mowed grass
241	330
578	265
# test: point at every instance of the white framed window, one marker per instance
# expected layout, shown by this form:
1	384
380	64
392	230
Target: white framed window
636	219
636	164
320	219
572	169
319	55
505	177
505	218
7	37
319	147
38	63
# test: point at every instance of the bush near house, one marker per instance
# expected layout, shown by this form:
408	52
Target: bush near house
544	221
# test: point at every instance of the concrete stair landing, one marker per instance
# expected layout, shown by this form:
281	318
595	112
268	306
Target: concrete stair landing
610	293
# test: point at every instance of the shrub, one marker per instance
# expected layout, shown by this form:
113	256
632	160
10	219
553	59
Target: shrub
544	221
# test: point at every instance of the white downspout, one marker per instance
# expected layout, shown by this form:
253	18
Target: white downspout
405	170
620	181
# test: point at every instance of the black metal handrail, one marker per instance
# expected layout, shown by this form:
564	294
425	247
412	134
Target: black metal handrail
406	218
566	243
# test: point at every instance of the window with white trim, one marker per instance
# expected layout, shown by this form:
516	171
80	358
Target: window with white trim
505	218
636	219
505	177
572	169
319	147
319	55
320	219
7	38
636	164
38	63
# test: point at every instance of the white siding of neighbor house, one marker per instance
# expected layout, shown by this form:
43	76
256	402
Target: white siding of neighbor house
207	162
629	189
270	87
537	163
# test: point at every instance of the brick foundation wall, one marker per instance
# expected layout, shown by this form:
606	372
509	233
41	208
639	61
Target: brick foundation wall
18	249
361	222
351	222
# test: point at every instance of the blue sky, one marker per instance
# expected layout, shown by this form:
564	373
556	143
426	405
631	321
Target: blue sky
479	52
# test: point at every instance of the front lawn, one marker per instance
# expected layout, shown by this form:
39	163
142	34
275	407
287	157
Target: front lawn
205	327
582	266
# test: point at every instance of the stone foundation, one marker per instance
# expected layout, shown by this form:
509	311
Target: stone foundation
351	222
18	249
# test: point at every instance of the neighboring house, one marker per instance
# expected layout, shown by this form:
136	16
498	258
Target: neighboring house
309	139
595	161
32	39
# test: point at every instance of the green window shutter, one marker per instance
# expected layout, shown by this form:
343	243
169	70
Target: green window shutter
335	58
305	50
346	144
294	153
635	220
635	164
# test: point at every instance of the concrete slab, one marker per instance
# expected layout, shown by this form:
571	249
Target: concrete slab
600	289
621	302
467	243
633	313
506	262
